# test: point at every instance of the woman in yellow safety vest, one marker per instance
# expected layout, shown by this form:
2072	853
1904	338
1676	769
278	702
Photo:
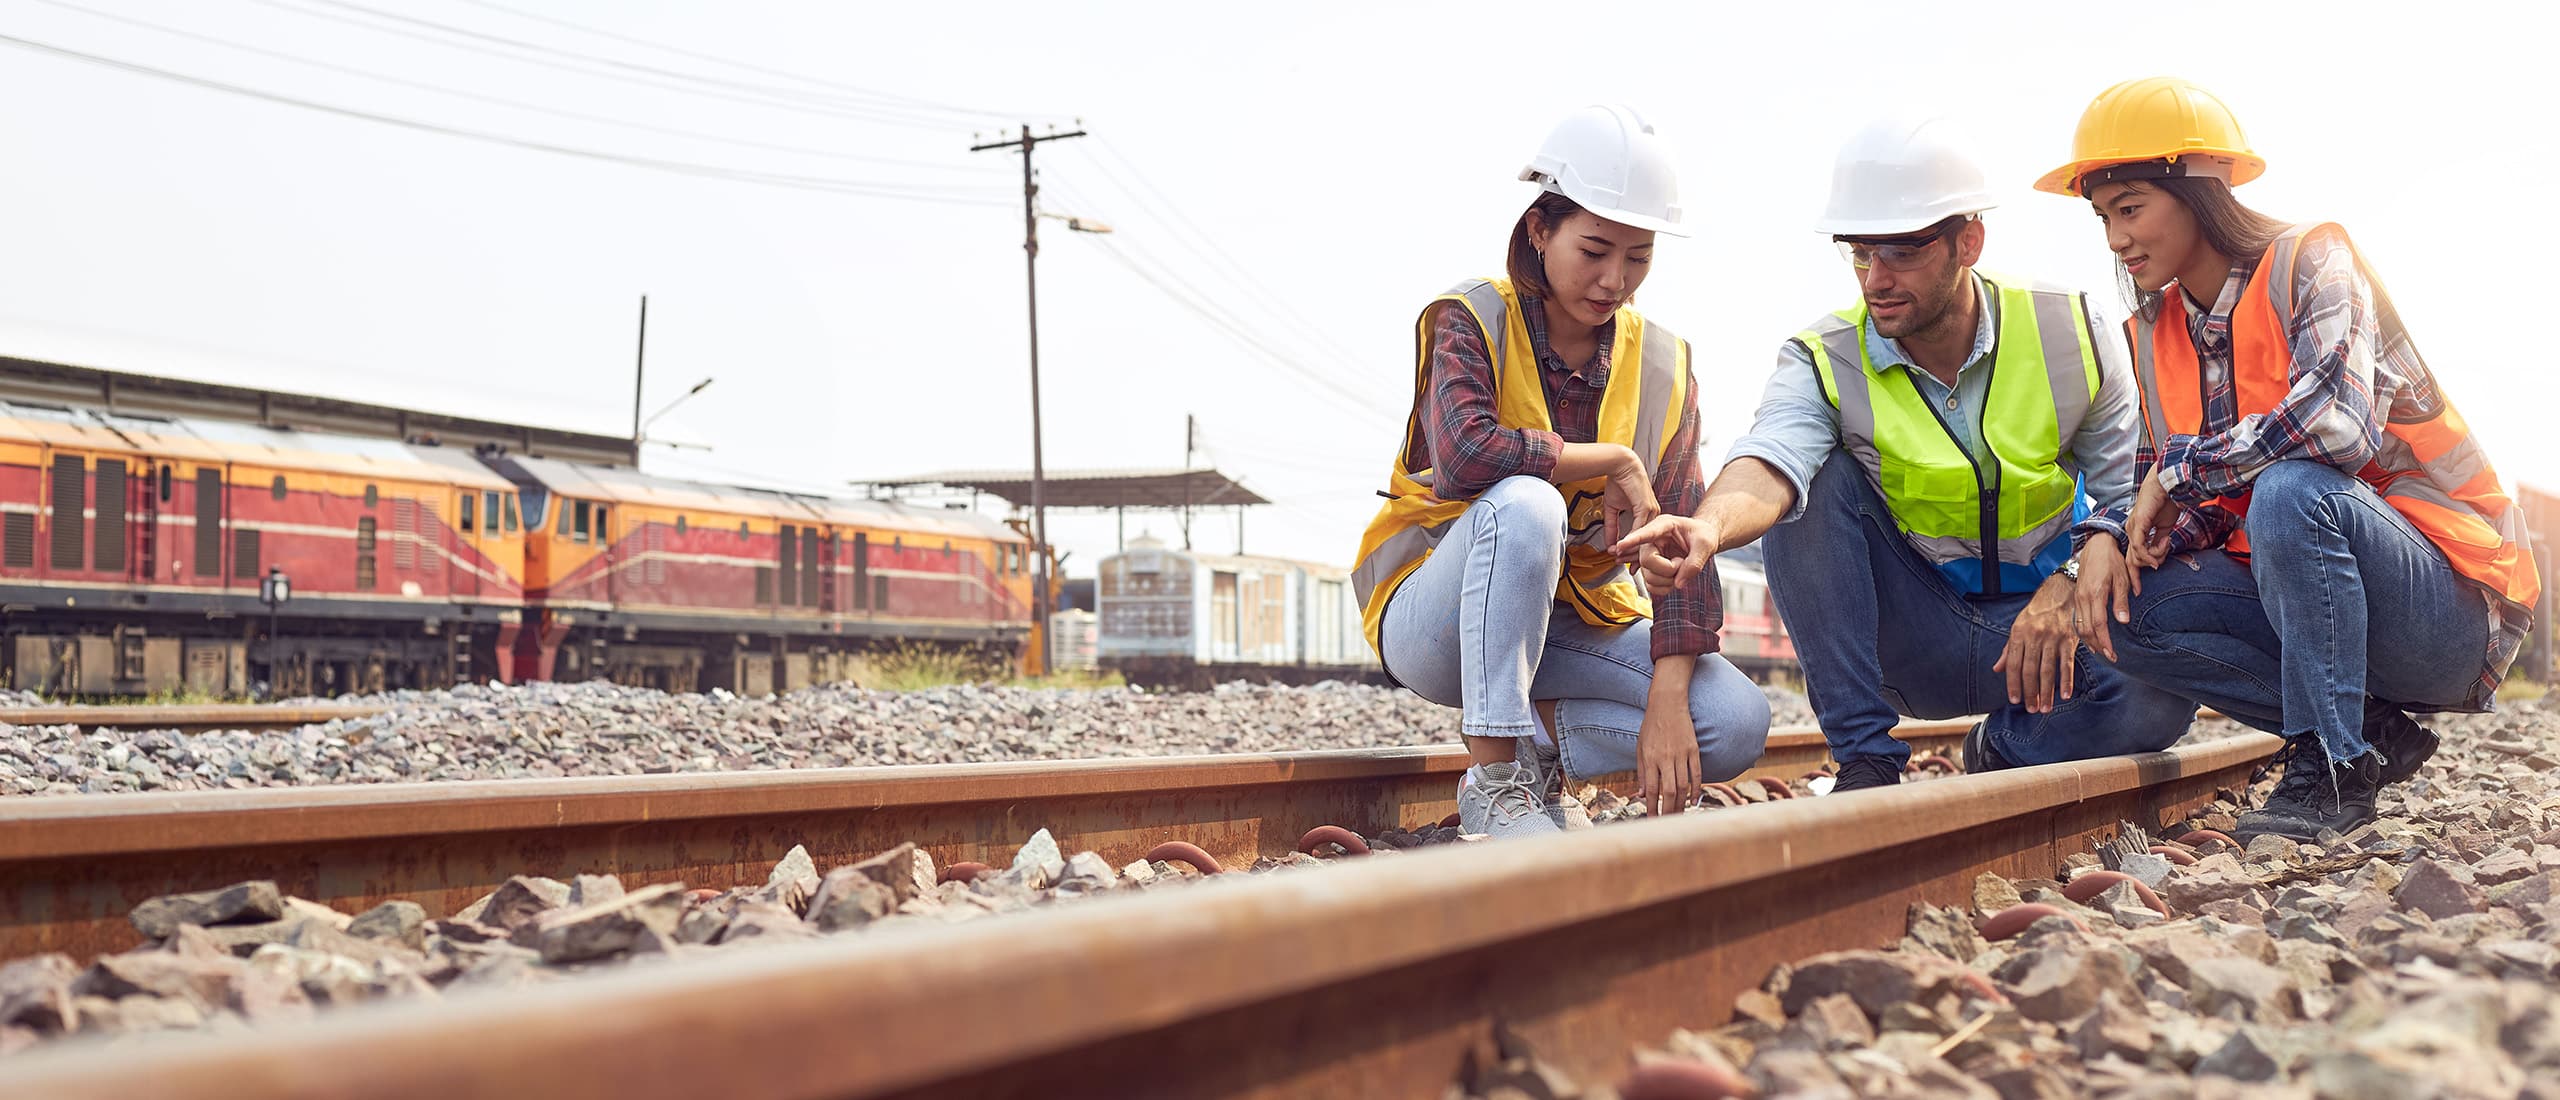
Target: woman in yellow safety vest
1548	419
2318	545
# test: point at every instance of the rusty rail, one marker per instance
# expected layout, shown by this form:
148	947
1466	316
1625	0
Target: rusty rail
1377	978
72	866
191	719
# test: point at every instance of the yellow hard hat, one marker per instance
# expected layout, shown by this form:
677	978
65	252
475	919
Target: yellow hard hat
2187	129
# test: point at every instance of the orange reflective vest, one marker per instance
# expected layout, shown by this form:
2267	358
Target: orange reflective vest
2431	470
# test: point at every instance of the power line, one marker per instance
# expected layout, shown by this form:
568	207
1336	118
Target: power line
892	98
1187	234
1202	244
1243	334
805	106
872	189
502	101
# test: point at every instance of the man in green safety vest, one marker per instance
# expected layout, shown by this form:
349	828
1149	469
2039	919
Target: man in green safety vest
1917	464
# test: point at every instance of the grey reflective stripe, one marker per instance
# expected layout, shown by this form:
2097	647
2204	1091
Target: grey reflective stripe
1491	311
2058	328
1401	549
1661	355
2455	468
1844	361
2155	423
2022	550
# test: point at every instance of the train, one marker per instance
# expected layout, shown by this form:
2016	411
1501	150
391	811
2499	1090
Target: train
149	553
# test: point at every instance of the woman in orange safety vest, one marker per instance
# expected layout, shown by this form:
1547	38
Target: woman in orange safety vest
2318	545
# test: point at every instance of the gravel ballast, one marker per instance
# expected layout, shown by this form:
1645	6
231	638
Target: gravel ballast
549	730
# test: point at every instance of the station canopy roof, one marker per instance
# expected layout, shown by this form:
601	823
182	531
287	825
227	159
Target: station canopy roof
1175	487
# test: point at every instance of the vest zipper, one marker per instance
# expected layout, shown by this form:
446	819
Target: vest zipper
1988	501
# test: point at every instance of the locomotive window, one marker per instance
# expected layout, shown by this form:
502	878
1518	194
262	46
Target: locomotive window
602	533
489	512
679	525
585	517
510	500
742	529
469	507
946	548
372	495
165	488
278	490
562	528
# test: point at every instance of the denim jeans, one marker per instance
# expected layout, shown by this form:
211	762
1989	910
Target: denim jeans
1477	627
2340	598
1880	632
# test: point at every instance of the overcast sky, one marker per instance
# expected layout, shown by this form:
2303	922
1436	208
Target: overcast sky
1304	176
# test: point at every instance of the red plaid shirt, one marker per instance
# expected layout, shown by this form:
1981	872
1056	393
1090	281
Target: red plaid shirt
1470	449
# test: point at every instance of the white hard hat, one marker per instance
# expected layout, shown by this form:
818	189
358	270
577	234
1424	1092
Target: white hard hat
1903	175
1607	159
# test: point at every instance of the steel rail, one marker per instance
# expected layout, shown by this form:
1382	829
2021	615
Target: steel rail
191	719
1380	977
72	866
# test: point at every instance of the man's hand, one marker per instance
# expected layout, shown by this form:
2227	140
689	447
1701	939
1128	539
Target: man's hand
1670	551
2105	594
1628	501
2153	522
2043	649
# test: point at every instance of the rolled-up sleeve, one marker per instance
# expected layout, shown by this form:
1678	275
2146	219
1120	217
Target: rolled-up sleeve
1795	429
1470	449
1685	621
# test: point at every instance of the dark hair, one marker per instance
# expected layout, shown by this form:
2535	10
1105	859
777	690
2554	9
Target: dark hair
1528	269
2234	230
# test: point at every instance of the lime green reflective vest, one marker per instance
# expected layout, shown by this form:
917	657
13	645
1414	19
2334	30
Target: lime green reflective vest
2000	510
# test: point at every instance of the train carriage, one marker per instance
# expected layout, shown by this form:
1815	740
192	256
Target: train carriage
686	585
1183	618
132	549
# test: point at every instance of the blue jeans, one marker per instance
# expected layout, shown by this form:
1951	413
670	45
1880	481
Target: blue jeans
1477	627
1880	632
2340	598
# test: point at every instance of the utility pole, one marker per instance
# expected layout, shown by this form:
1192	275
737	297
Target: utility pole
1031	298
640	371
1190	445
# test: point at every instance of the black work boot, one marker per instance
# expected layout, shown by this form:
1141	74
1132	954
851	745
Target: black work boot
2314	795
2403	743
1979	756
1861	772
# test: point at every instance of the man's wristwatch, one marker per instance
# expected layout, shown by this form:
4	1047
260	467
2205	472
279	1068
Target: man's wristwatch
2071	569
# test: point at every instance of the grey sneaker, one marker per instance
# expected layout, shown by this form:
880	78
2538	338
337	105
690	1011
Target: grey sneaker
1564	809
1503	801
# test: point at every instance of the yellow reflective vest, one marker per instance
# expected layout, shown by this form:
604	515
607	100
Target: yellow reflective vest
1639	408
1989	521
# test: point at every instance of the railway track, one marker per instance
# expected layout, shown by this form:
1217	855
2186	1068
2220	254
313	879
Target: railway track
72	866
190	719
1375	978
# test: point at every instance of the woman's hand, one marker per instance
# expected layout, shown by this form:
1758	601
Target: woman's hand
2150	527
1628	499
1667	780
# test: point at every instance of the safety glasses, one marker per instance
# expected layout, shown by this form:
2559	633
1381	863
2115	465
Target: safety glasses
1902	254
